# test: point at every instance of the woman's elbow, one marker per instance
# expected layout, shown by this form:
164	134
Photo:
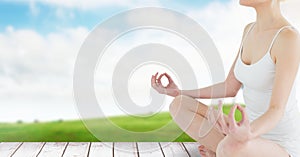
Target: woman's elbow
231	90
232	93
232	86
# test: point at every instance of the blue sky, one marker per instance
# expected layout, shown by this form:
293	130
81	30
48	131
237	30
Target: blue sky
43	17
40	40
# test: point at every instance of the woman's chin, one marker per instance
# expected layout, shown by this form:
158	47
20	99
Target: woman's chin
246	4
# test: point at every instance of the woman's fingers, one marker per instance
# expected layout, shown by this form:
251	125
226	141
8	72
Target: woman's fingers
216	118
154	78
213	120
154	84
220	112
231	119
153	81
169	78
159	78
159	81
156	75
220	108
233	125
211	115
221	119
223	125
244	115
157	85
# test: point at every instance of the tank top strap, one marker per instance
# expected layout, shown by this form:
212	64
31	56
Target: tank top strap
245	36
249	30
251	27
276	35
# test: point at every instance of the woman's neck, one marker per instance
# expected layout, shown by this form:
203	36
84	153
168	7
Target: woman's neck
267	16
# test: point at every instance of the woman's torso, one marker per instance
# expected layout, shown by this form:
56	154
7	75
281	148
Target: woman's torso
257	83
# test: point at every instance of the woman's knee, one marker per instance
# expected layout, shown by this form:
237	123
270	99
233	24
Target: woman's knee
180	102
183	103
175	105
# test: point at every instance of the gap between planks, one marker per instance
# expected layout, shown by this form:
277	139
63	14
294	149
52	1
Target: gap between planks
94	149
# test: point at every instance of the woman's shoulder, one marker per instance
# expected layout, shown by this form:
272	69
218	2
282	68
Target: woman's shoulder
288	40
287	31
288	35
247	28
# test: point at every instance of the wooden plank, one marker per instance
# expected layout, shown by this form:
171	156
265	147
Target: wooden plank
84	149
173	149
103	148
125	149
149	149
77	149
8	148
29	149
52	149
192	148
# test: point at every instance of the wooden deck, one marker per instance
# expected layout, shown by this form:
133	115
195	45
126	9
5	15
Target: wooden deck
98	149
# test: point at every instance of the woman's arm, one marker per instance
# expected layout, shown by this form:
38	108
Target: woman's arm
228	88
287	54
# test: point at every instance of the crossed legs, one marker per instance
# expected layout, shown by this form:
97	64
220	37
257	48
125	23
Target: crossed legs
190	115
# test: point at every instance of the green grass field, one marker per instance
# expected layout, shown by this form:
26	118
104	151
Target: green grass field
76	131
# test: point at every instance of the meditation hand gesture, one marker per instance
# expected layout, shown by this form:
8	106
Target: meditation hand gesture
171	89
240	131
222	119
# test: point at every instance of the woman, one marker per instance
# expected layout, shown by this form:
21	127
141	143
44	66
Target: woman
265	67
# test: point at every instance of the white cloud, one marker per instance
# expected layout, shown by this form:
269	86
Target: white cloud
33	8
36	70
89	4
225	23
63	14
92	4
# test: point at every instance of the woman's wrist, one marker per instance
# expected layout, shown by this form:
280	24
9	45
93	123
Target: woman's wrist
188	93
179	92
184	92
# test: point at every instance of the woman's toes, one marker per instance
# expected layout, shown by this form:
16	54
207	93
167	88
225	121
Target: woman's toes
202	151
205	152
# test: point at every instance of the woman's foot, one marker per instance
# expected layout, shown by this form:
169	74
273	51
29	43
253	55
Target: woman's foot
206	152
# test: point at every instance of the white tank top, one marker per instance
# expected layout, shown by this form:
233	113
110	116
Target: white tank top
257	84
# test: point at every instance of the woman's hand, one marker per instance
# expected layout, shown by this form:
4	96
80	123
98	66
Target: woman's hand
171	89
222	119
240	131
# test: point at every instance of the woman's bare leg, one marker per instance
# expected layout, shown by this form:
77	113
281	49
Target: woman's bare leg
258	147
190	115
